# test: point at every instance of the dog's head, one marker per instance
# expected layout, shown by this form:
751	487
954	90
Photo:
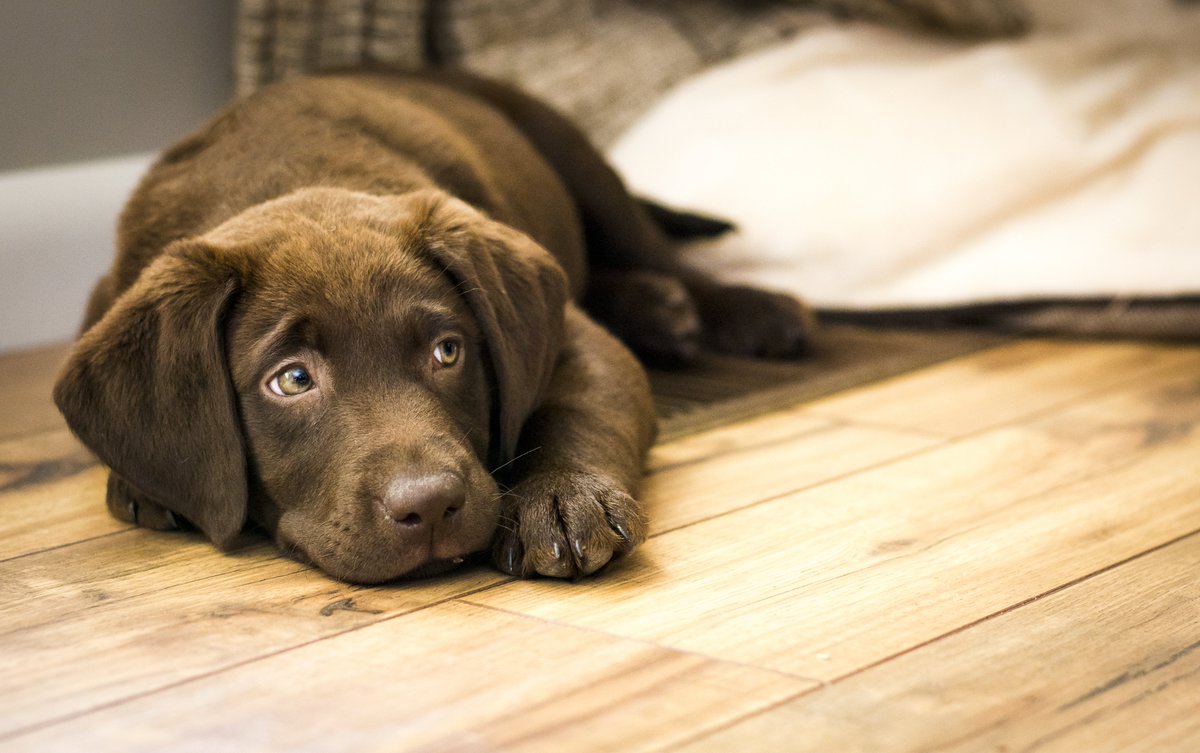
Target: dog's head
342	368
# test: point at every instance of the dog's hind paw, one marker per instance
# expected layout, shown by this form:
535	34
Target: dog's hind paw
746	321
566	525
652	313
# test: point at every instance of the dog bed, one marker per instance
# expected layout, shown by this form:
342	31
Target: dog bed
1048	182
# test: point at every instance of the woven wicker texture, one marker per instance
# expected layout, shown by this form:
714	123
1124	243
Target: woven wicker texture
603	62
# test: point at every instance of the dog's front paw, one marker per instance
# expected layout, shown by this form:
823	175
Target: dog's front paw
747	321
566	524
125	503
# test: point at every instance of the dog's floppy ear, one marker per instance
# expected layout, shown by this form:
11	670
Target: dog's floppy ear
518	293
147	388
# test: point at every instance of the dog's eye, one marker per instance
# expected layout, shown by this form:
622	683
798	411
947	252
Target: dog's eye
447	352
292	381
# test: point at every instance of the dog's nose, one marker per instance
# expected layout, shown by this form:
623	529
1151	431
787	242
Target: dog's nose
414	501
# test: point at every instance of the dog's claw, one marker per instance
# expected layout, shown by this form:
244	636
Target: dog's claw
591	559
621	530
132	507
556	565
511	557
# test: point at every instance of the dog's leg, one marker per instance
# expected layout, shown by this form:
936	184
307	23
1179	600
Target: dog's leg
571	506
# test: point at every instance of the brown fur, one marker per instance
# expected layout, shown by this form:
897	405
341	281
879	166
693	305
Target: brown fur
351	225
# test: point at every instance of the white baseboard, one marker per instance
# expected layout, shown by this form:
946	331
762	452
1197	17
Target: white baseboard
57	226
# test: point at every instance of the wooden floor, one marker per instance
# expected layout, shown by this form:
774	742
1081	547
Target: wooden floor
997	553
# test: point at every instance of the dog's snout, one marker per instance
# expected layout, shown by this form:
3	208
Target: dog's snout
416	501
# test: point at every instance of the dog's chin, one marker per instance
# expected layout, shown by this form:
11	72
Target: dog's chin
404	564
414	566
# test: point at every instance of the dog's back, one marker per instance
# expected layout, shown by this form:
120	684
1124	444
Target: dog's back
377	133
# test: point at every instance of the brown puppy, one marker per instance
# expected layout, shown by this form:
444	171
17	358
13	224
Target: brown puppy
343	311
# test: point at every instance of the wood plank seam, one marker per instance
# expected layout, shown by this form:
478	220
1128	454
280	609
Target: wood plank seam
819	411
36	434
801	489
466	599
69	544
961	629
46	723
854	422
946	441
740	449
108	602
712	731
1081	397
867	423
1109	387
1022	604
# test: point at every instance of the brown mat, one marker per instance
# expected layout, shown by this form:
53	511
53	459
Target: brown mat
722	389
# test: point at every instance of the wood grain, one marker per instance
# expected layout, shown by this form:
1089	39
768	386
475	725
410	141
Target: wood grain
26	378
996	386
1108	664
128	614
826	581
995	553
449	678
51	494
714	473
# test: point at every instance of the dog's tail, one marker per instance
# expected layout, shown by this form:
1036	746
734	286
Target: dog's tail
682	225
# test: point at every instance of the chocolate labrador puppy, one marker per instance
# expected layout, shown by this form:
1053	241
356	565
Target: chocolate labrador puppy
346	311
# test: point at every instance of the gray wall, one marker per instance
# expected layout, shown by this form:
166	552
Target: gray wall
81	79
89	90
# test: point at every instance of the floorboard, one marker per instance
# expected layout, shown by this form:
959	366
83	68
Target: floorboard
999	385
1110	663
133	613
994	550
452	677
25	379
830	579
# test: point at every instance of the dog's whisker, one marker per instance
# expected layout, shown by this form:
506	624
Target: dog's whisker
513	495
464	439
457	289
515	459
